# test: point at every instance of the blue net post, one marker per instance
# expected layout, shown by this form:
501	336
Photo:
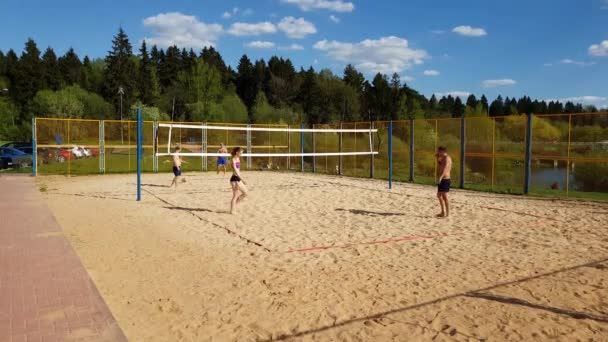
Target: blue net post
139	152
390	154
34	159
412	150
302	148
528	163
462	150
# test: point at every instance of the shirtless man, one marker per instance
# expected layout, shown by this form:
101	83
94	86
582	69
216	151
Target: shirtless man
177	167
445	166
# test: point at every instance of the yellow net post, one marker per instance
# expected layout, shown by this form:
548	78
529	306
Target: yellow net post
436	137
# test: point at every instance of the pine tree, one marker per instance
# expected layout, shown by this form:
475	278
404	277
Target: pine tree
28	76
245	87
497	107
170	66
485	103
458	110
149	89
354	78
471	101
120	74
52	76
70	68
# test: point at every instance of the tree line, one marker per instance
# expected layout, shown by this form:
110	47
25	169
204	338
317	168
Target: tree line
182	85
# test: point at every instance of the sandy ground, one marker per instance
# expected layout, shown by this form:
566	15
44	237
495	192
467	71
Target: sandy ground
501	268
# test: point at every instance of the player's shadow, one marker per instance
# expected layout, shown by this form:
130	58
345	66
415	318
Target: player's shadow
193	210
156	185
369	213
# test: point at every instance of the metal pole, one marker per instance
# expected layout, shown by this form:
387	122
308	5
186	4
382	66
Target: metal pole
34	159
528	162
314	149
462	150
101	146
302	148
340	150
371	156
412	150
568	161
390	154
288	148
139	152
249	147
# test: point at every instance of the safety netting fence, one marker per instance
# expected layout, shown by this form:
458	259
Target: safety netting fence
537	154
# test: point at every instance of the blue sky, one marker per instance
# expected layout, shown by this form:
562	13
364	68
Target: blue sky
549	49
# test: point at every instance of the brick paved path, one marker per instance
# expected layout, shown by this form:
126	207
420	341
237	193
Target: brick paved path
45	291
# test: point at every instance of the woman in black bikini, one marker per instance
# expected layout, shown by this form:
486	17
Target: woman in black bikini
239	191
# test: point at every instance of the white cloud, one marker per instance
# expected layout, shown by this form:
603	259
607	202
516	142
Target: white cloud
431	73
583	99
226	15
175	28
569	61
296	28
408	78
469	31
249	29
455	93
258	44
385	55
599	50
292	47
235	11
330	5
334	18
498	83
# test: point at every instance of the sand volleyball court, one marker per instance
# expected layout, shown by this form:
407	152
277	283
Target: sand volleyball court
312	257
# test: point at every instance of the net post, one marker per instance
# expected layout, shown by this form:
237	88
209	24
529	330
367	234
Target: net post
340	146
390	155
462	150
204	147
139	153
528	161
249	146
302	148
412	150
288	147
155	146
371	146
34	158
314	150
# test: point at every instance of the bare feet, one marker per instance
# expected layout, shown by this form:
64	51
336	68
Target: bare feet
442	215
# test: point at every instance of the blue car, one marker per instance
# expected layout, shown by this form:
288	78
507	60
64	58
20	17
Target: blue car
13	158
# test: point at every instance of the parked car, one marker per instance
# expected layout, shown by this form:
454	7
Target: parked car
21	146
14	158
76	153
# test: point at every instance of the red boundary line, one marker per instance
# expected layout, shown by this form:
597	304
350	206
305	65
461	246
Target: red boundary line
399	239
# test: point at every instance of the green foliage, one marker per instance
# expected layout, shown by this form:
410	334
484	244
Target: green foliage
120	73
71	102
148	113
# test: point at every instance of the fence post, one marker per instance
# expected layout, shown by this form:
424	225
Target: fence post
462	150
412	150
302	148
102	146
340	150
34	158
371	156
528	162
139	152
390	155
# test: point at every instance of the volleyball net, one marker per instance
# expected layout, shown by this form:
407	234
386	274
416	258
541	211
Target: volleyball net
264	146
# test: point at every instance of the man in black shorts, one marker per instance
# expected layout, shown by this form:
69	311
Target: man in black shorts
444	163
